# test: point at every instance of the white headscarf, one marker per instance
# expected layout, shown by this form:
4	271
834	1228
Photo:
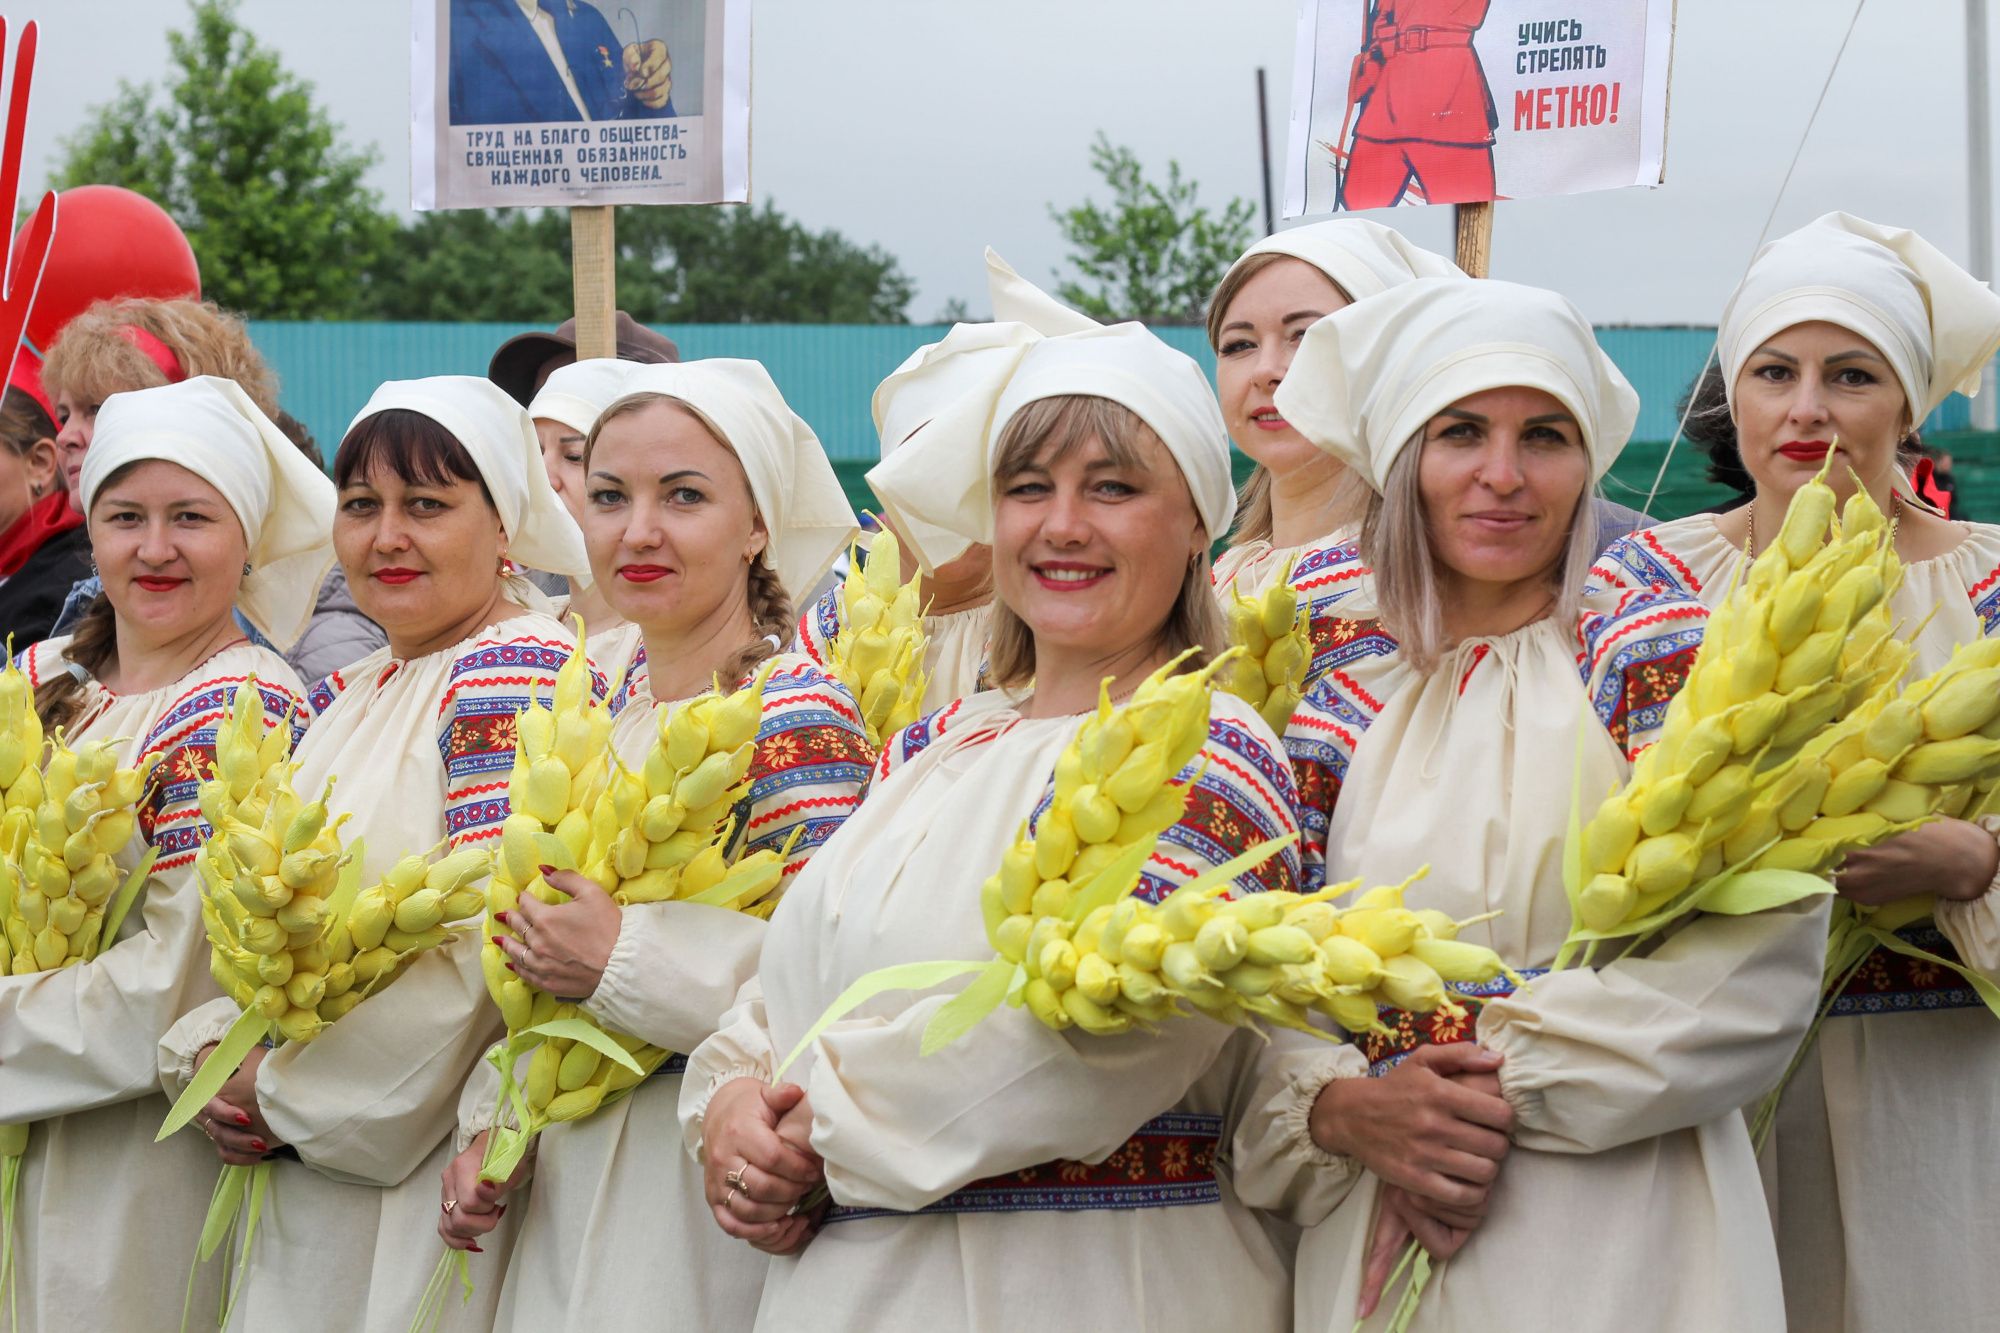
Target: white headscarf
805	512
1368	376
1936	324
1360	257
209	426
500	437
1018	301
576	393
935	375
938	487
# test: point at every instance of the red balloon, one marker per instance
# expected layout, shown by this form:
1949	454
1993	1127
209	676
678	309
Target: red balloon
109	242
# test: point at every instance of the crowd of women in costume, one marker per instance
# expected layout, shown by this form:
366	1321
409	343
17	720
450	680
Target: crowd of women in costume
1488	634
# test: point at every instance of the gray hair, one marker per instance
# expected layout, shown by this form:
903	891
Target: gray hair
1396	546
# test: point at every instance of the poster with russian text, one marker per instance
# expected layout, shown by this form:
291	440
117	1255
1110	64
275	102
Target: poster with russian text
1461	101
565	102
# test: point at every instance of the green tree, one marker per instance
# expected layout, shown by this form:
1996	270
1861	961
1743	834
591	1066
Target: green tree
692	264
1155	254
509	265
235	148
717	264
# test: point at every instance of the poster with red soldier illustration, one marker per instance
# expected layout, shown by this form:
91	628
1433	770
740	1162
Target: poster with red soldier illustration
579	102
1464	101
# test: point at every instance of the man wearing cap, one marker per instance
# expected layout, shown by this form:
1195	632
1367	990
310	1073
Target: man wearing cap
525	361
523	61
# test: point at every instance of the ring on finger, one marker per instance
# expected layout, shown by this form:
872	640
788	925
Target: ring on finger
450	1207
734	1177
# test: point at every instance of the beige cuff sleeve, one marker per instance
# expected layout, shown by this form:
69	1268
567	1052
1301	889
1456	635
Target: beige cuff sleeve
186	1038
1273	1162
1973	926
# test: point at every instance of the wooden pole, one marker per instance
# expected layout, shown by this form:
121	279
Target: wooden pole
1475	237
593	249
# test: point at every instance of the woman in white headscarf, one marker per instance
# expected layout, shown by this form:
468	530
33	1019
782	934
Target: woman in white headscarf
564	409
1022	1177
197	506
957	594
441	489
1843	337
1299	504
710	504
1479	414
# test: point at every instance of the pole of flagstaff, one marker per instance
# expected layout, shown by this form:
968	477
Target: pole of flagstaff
1264	154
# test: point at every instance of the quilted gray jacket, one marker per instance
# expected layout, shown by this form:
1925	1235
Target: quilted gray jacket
338	636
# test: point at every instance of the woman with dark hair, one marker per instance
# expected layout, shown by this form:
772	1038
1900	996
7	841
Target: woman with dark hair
44	549
1842	337
709	503
440	489
1093	464
198	507
1479	414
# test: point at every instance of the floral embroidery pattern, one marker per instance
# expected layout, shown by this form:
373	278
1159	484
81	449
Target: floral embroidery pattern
1441	1027
1169	1163
1888	982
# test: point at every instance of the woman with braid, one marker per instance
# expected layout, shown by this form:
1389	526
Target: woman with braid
707	506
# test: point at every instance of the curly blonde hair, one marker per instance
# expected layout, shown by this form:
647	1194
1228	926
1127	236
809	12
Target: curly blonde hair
91	360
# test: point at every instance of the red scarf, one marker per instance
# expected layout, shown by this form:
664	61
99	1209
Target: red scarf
48	517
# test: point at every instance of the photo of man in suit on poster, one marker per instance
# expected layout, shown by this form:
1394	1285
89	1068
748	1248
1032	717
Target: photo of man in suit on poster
537	61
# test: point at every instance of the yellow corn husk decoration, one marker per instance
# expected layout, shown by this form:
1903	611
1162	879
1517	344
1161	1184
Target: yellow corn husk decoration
1274	630
1804	641
664	832
1275	957
878	653
294	940
62	897
20	741
62	878
1869	789
1077	949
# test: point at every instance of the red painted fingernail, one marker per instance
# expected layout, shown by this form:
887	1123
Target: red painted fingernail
257	1145
475	1249
501	1211
510	967
501	917
546	871
243	1120
496	941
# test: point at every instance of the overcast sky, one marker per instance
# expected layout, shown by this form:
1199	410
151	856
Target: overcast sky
936	127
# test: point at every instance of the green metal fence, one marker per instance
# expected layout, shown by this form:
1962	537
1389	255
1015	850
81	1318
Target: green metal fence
829	371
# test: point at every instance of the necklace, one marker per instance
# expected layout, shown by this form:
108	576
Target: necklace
1750	522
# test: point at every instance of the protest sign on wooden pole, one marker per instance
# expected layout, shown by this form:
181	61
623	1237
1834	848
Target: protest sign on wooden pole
593	249
646	102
